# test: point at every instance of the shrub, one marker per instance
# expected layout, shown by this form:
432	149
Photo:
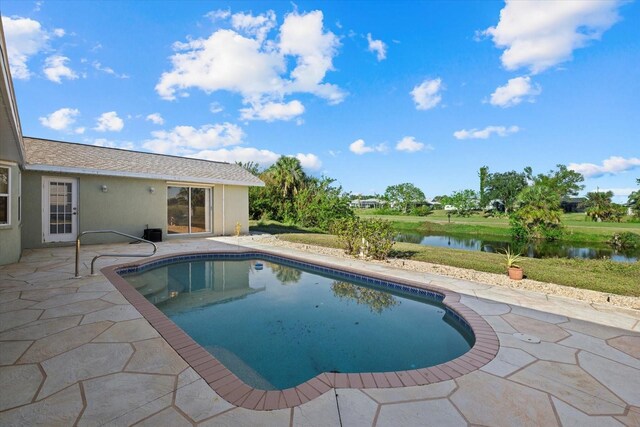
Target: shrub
377	238
348	232
539	215
385	210
371	237
626	240
319	204
421	211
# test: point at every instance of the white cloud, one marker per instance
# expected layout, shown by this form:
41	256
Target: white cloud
273	111
216	107
264	158
256	26
427	94
182	145
540	34
611	166
303	36
59	32
410	145
309	161
108	70
378	47
60	119
109	122
155	118
103	142
187	140
486	132
238	154
79	130
359	147
243	60
25	38
224	61
618	192
514	92
55	68
219	14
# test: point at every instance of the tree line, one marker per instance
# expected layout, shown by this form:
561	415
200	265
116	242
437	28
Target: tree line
291	196
533	202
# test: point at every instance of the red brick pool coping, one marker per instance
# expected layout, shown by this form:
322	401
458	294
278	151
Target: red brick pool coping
235	391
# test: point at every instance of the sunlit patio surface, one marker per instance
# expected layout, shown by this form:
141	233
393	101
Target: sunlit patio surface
74	351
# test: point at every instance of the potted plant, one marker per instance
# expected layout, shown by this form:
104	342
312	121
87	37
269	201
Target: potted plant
514	270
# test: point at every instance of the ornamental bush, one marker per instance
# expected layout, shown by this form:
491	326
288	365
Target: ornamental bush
369	238
348	232
377	238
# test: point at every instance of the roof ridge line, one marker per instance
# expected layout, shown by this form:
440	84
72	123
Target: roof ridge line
124	149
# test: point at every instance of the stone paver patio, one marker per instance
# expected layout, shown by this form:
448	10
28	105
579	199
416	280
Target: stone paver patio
75	352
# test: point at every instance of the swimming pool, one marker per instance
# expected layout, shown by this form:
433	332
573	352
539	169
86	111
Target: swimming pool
294	325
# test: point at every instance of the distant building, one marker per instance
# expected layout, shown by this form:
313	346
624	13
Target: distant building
367	203
573	204
495	205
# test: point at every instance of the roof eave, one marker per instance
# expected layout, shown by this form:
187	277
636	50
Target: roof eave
174	178
8	93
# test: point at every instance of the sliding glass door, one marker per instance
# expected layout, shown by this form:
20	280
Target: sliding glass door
188	210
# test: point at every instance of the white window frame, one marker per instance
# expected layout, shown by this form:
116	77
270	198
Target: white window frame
208	205
7	195
47	237
19	199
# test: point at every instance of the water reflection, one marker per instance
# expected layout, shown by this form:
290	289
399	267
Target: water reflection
376	300
286	275
532	250
183	286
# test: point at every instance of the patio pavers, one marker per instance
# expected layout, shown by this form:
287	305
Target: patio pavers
489	400
23	381
75	351
439	412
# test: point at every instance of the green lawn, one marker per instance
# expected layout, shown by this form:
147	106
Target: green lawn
598	275
577	229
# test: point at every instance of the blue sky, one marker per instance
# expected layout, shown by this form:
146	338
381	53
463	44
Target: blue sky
369	93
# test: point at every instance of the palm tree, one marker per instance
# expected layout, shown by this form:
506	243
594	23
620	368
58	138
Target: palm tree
287	174
539	212
599	205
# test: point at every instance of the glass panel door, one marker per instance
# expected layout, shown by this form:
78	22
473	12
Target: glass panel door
177	210
199	210
60	219
188	210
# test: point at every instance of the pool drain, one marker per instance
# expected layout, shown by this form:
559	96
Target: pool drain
527	338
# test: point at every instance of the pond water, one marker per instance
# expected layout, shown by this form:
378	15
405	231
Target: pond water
532	250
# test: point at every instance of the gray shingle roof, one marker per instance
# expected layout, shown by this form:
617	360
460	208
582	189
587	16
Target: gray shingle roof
47	155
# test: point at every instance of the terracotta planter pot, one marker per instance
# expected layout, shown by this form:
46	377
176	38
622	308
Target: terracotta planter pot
515	273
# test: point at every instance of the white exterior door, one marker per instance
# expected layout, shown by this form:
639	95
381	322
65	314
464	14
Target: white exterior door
59	209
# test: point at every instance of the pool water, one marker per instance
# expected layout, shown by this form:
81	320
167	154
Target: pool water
275	326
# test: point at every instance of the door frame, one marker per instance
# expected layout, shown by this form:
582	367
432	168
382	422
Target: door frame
47	237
